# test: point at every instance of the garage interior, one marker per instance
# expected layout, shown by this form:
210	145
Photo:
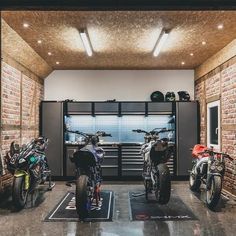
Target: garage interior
47	76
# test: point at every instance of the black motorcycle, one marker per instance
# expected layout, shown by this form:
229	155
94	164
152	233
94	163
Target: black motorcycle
87	162
156	175
28	165
208	169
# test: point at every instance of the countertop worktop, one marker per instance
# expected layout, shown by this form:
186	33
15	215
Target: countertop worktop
108	143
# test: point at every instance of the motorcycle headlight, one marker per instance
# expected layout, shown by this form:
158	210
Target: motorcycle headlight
22	160
220	168
212	167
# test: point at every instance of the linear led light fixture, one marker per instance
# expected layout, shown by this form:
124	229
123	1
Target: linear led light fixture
86	42
160	42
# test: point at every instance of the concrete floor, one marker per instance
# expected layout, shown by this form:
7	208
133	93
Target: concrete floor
30	221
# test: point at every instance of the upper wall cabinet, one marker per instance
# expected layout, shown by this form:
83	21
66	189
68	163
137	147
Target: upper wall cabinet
106	108
133	108
160	108
79	108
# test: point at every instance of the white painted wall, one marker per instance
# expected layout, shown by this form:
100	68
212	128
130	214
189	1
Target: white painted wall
122	85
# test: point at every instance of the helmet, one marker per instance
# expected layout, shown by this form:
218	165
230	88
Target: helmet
157	96
184	96
170	97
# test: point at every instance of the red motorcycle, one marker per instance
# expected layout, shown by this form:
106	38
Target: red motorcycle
208	168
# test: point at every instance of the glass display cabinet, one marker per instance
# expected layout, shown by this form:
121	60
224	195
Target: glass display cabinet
124	145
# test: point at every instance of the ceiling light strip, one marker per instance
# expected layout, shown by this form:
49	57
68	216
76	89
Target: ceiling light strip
160	42
86	42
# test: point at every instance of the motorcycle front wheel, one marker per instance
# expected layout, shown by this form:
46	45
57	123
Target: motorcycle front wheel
19	194
164	189
82	199
214	191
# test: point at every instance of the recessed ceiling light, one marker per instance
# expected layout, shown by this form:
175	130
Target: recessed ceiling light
191	54
57	62
182	63
25	25
203	43
220	26
39	41
49	53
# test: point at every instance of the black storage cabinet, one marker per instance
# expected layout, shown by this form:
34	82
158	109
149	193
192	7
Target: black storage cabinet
51	126
121	161
187	135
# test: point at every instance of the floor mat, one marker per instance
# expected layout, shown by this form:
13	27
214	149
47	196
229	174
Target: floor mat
141	209
65	210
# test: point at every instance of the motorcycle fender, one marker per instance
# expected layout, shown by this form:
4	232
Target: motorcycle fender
20	173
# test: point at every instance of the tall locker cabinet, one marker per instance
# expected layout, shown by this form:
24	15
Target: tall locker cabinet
52	128
186	134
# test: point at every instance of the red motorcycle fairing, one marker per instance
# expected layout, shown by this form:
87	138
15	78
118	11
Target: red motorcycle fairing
197	151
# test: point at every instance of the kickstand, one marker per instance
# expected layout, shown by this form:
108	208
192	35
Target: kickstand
51	184
69	183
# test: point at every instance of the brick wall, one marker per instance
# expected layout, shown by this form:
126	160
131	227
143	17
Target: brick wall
220	84
20	98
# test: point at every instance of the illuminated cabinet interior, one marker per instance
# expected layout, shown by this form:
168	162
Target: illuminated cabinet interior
119	127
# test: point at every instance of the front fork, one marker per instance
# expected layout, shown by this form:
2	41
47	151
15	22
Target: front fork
25	174
154	178
210	175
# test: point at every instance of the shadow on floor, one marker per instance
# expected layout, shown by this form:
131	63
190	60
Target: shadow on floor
221	206
33	200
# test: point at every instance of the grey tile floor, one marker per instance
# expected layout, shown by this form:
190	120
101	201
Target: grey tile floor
30	221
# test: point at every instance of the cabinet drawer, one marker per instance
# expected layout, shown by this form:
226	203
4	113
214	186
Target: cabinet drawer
110	161
109	171
132	172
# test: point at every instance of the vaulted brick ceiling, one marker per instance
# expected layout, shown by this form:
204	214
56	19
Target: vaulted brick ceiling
124	39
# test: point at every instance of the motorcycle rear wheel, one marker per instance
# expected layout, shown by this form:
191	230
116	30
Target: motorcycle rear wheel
19	194
82	200
213	194
194	181
163	192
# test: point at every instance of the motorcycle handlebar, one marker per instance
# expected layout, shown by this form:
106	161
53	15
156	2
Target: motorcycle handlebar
153	131
217	153
103	134
139	131
165	130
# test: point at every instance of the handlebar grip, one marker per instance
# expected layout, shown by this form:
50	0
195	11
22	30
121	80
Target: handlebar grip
138	130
